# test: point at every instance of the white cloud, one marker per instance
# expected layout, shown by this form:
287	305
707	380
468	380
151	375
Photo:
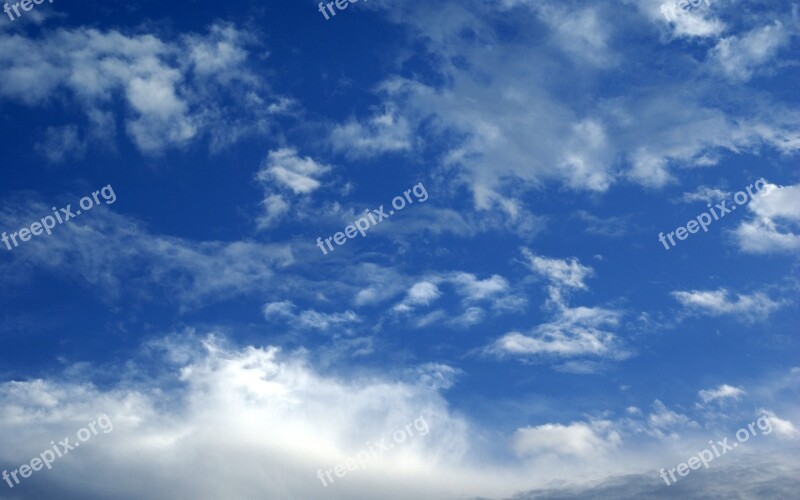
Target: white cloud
436	375
580	32
705	195
722	392
783	428
282	309
309	318
324	321
719	302
645	133
387	132
234	413
739	58
699	22
173	91
775	225
288	169
473	289
276	207
563	273
578	439
574	332
421	294
118	257
664	422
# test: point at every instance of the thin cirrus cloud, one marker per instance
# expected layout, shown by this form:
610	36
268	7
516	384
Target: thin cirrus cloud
112	251
721	302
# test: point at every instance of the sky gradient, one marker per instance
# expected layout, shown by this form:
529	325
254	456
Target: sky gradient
525	307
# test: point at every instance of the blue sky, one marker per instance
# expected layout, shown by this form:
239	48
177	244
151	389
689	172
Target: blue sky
524	307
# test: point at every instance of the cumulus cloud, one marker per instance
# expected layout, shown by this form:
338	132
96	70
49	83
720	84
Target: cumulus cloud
173	90
738	58
285	176
574	331
387	132
578	439
722	392
775	223
666	423
474	289
645	131
420	294
563	273
494	290
289	170
230	412
783	428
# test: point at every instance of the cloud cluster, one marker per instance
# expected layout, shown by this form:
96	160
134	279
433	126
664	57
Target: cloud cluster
172	91
573	331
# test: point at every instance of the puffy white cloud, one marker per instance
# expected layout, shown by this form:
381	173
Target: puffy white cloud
719	302
285	175
172	90
473	289
563	273
234	413
289	170
775	225
387	132
738	58
783	428
578	439
421	294
276	207
664	422
699	22
645	132
574	331
722	392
